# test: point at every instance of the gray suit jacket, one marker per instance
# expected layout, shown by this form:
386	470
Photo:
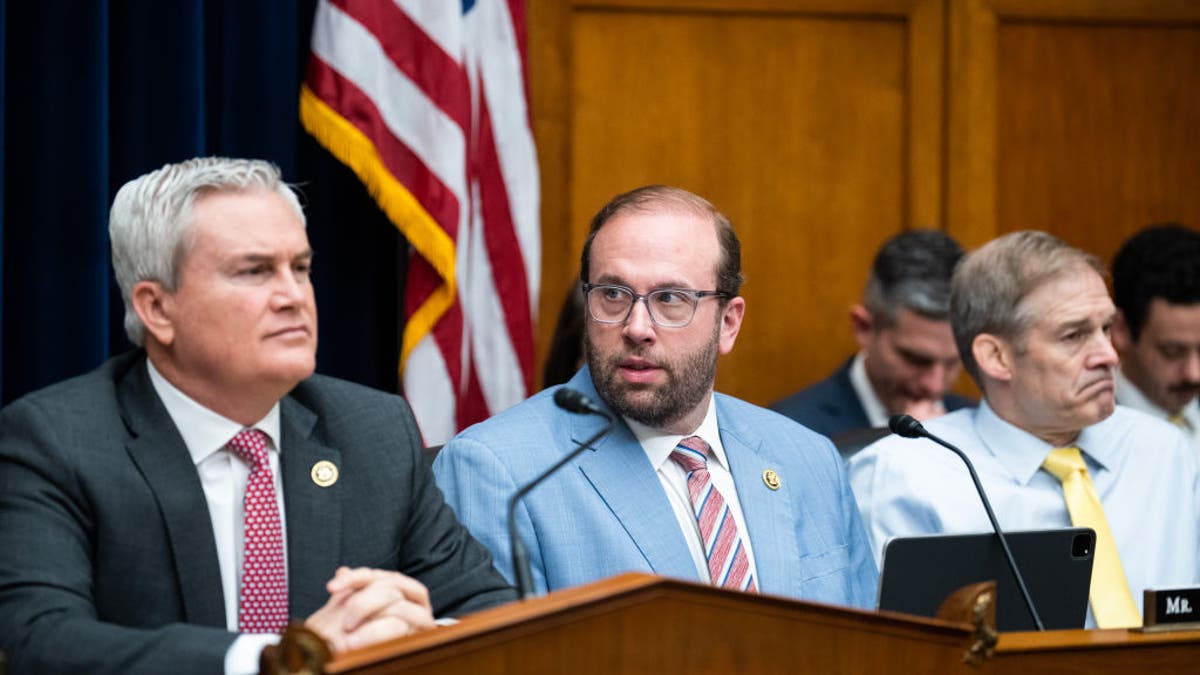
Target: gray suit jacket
107	553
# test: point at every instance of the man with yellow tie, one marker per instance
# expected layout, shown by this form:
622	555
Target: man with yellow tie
1031	318
1156	287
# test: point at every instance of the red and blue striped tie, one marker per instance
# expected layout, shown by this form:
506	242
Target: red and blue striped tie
728	564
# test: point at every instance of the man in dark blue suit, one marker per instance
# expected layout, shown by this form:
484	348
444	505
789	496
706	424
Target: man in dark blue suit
907	358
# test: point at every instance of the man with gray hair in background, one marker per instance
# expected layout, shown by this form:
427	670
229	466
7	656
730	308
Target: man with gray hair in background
1032	318
171	510
906	359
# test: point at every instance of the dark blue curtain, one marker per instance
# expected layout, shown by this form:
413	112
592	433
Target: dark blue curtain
96	93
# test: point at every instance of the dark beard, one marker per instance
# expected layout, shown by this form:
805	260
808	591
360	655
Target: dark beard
686	386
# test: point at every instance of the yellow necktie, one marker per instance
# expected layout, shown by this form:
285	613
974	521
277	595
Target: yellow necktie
1179	420
1112	602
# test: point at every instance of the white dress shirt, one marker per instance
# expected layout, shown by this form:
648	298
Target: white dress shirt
223	477
1142	468
658	446
1128	394
877	414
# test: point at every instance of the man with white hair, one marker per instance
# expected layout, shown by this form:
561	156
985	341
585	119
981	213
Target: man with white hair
170	511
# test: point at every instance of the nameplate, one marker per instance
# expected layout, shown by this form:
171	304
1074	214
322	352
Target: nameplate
1171	609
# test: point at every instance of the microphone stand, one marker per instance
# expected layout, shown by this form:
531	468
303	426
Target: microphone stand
903	428
520	554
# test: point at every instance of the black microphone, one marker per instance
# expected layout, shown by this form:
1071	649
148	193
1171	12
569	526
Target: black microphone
908	427
574	401
571	401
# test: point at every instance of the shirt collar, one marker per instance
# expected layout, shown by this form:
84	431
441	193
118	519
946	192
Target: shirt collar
877	415
204	431
1022	453
659	444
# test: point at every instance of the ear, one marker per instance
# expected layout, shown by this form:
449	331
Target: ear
994	356
1122	338
731	324
154	306
862	323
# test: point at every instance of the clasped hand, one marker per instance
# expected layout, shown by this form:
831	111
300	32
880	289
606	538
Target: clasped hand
367	606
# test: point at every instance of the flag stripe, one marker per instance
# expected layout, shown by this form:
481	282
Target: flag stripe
417	55
427	102
501	76
405	109
436	198
500	236
354	149
444	25
472	406
434	408
516	10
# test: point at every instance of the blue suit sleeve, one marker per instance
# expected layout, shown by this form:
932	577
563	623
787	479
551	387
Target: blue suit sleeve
477	485
864	581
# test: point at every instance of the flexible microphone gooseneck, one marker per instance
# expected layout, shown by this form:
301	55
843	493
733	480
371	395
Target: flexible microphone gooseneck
574	402
909	427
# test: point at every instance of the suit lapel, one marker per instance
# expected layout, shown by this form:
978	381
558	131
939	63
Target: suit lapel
621	474
314	513
844	406
160	454
768	513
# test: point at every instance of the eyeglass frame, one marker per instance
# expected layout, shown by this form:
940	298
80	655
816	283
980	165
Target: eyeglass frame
696	295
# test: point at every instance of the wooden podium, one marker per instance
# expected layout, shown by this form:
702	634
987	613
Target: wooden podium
638	623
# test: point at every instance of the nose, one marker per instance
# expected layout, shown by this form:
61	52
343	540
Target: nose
288	289
638	326
932	380
1191	366
1105	354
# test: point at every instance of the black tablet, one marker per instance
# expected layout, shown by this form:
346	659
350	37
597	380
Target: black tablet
920	572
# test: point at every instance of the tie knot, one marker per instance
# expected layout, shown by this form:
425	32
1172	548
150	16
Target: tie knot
1179	420
251	446
1062	462
691	453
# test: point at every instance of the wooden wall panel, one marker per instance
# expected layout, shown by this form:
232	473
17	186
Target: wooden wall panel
795	119
1074	117
1098	129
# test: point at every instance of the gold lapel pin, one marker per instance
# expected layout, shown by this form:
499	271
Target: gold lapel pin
771	479
324	473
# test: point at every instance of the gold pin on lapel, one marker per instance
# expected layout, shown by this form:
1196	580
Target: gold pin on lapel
324	473
771	479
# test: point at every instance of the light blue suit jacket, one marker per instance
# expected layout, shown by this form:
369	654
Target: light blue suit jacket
607	513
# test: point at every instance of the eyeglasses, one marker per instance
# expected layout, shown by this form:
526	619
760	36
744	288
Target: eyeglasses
668	307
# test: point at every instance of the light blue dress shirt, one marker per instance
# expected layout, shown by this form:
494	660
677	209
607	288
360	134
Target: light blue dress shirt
1142	467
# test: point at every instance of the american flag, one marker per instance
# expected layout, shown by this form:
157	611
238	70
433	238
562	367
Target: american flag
426	101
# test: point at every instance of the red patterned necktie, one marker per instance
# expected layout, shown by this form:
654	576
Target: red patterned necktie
728	564
264	602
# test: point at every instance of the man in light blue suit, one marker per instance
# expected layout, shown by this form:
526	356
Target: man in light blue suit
653	335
